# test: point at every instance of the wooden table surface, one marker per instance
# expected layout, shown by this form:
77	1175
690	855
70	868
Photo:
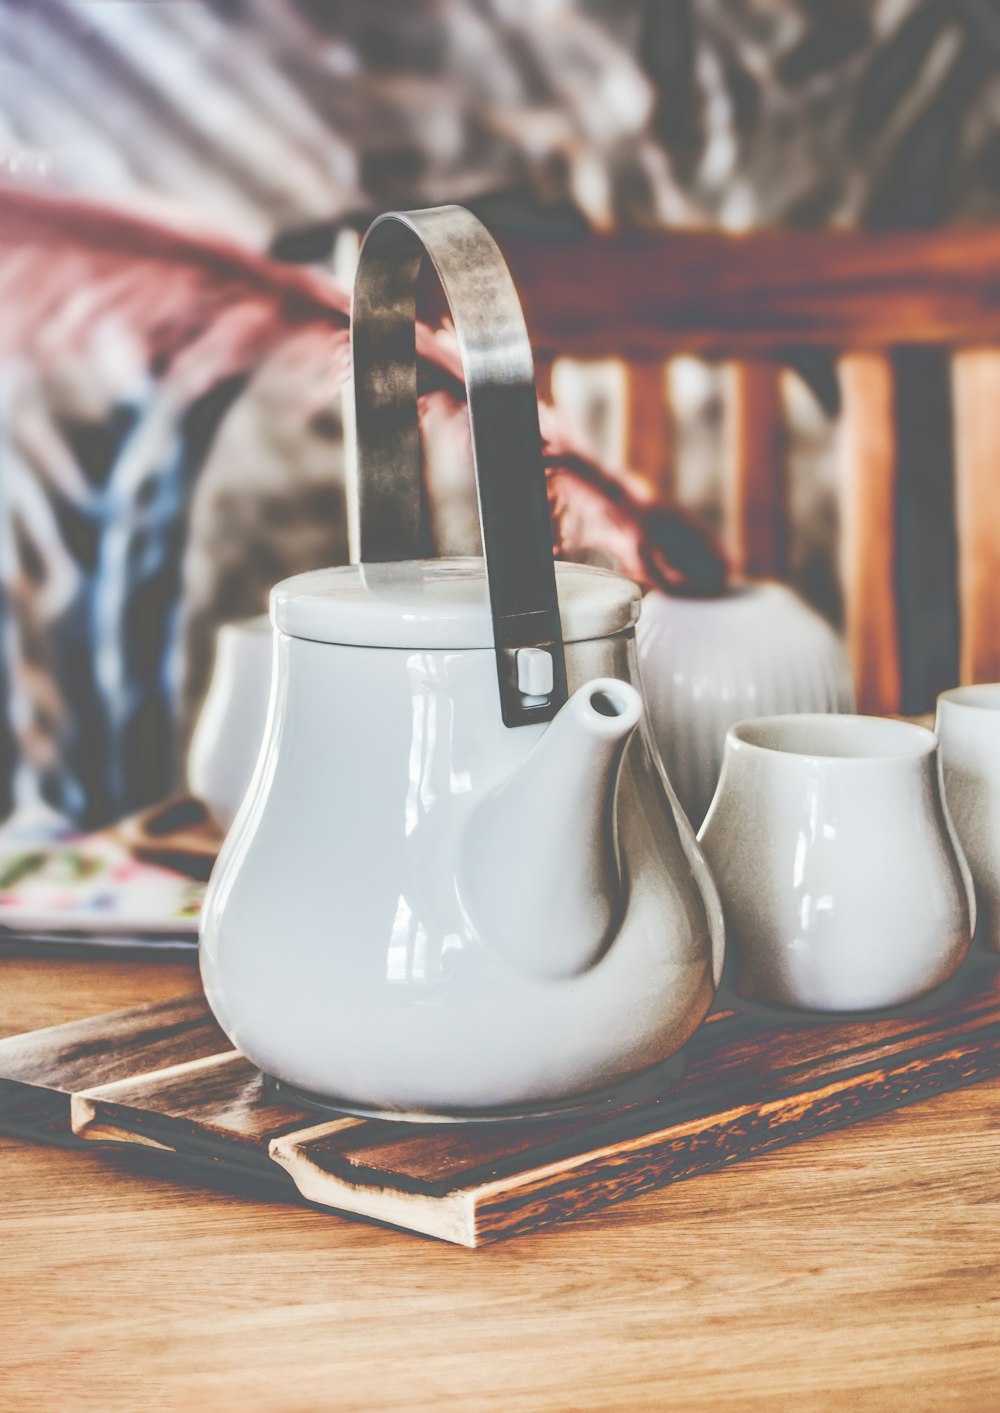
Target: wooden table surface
858	1270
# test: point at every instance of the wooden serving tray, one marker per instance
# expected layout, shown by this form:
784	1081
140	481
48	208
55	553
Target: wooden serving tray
164	1077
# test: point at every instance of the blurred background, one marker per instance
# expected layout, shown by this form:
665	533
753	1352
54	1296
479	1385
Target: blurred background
143	503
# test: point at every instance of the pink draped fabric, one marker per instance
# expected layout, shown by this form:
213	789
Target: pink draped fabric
206	309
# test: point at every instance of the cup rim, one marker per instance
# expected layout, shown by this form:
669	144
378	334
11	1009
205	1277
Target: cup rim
978	696
814	736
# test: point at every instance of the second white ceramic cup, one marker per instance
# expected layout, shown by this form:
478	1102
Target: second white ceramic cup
842	880
968	729
228	734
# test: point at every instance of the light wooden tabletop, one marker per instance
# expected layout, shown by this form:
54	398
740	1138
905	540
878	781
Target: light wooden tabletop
859	1270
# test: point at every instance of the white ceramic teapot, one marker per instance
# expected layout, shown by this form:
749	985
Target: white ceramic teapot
459	883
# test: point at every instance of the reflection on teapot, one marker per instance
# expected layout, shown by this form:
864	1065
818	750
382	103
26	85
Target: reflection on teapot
459	880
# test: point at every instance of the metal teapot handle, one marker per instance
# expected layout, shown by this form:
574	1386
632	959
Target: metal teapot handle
503	416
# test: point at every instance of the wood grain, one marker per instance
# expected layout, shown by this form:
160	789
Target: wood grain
649	428
215	1106
868	529
752	1081
977	501
854	1271
738	296
758	490
40	1070
86	985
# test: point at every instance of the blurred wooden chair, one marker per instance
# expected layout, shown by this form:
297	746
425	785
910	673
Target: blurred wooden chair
749	299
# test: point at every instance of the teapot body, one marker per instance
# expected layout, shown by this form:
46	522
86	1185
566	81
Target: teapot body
338	951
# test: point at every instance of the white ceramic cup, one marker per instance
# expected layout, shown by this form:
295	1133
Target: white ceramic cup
968	729
230	727
842	879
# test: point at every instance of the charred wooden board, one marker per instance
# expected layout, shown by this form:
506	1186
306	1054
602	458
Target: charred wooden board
163	1077
40	1070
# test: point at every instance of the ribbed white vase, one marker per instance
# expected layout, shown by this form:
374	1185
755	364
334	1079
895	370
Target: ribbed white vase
757	650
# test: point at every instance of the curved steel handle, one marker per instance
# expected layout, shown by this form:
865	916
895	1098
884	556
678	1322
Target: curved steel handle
503	415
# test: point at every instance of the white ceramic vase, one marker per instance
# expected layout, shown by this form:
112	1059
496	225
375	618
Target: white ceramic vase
707	663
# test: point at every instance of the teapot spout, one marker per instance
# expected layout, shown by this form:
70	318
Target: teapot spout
539	875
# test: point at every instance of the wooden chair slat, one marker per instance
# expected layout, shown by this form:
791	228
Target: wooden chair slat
867	531
649	427
976	382
757	510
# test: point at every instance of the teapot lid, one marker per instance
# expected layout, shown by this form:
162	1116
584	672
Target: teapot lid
436	603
